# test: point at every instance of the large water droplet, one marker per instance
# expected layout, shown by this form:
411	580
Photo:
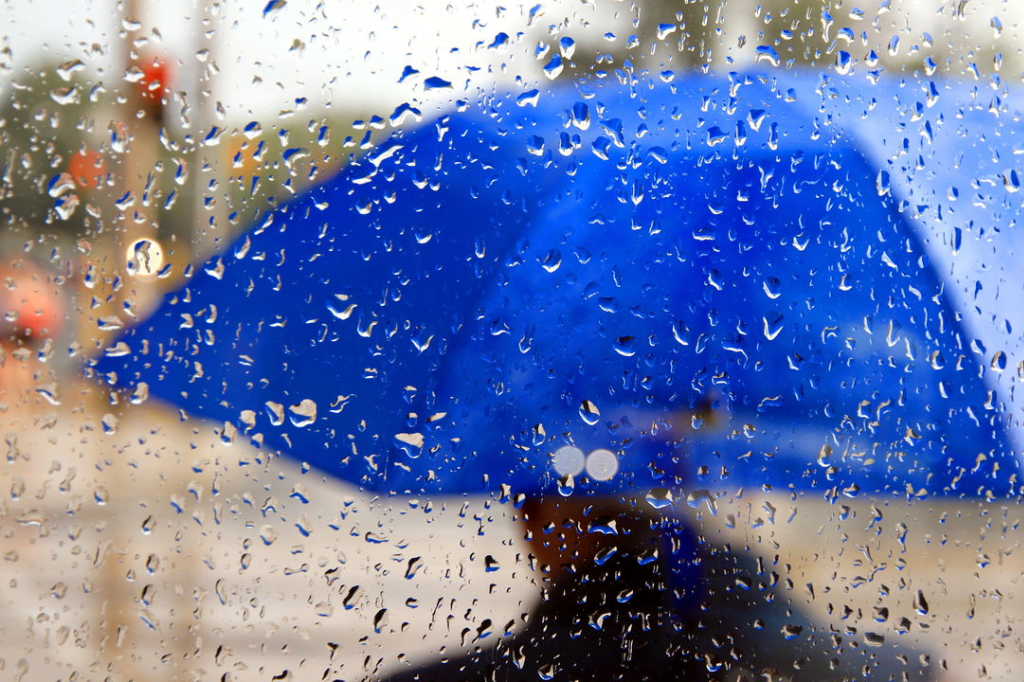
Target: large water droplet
660	498
60	184
303	414
268	535
413	567
276	412
716	136
68	69
273	7
698	497
66	206
589	412
566	47
554	67
766	53
144	258
825	456
436	83
625	346
844	62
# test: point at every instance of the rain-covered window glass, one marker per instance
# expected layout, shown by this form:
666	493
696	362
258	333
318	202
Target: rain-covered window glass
472	341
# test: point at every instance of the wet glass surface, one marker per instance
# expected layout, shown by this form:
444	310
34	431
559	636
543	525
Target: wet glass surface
461	342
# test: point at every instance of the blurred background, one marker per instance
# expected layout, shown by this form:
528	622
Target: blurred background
138	137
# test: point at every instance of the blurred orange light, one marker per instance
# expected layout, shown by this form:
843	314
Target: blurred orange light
87	168
156	80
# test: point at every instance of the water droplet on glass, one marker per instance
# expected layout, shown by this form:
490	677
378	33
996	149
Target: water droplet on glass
410	443
65	95
68	69
920	603
883	183
660	498
698	497
625	346
405	111
118	136
140	394
825	456
276	412
268	535
716	136
580	115
352	597
566	47
528	98
436	83
766	53
552	260
49	393
144	258
535	145
755	118
1011	181
252	130
17	488
303	414
60	184
66	206
413	567
589	412
844	62
273	7
791	631
554	67
874	639
380	620
772	323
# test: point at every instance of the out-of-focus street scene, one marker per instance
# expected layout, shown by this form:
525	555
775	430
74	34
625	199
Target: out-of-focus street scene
476	341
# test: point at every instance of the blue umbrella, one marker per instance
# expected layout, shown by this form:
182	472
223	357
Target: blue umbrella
721	281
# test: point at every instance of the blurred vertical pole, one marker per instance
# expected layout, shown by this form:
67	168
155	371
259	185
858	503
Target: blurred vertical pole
144	100
205	196
208	189
134	136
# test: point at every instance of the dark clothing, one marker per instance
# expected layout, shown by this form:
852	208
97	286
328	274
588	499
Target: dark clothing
620	622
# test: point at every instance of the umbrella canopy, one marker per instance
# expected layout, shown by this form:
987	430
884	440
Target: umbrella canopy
626	286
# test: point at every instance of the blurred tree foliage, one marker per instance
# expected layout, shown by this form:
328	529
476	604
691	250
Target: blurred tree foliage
64	143
871	37
62	159
45	121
